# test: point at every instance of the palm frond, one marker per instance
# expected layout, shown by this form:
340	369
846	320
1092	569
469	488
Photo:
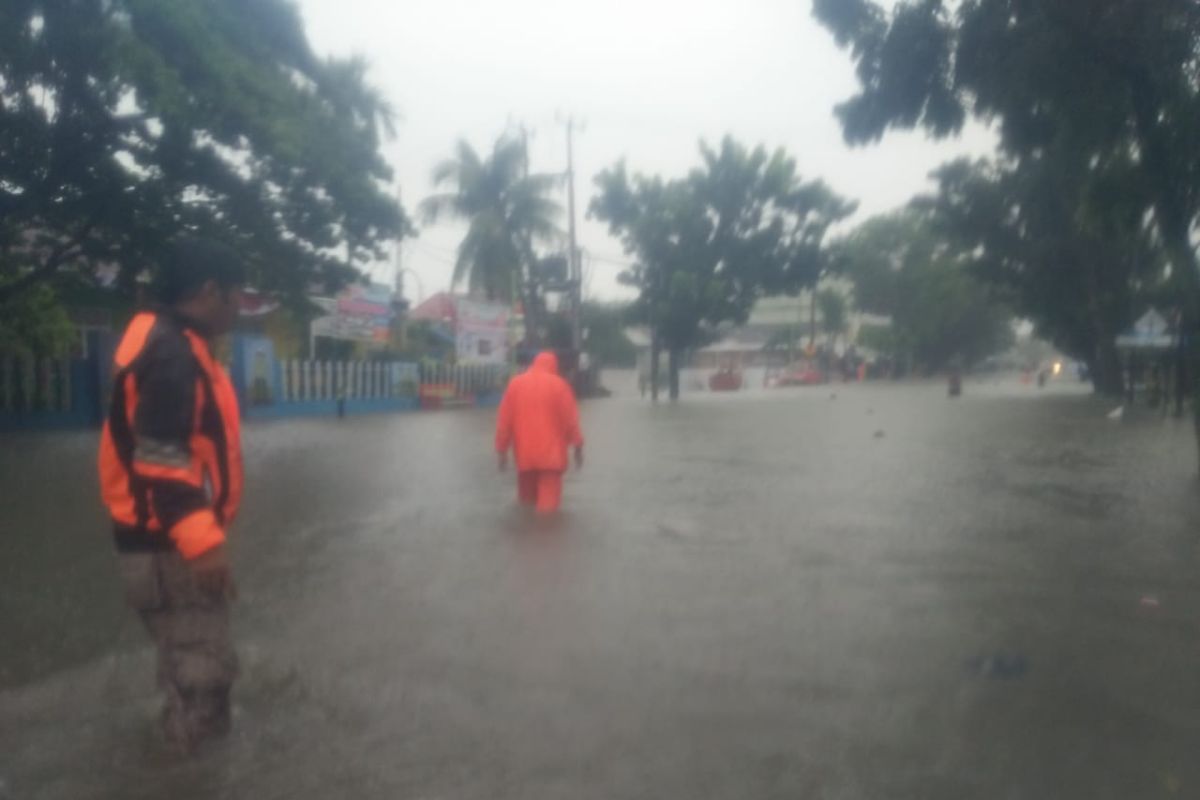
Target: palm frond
505	210
545	182
508	160
433	207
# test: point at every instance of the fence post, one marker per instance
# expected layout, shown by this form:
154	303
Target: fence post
64	384
28	376
6	382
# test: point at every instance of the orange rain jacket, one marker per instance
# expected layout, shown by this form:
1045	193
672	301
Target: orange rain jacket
539	418
170	453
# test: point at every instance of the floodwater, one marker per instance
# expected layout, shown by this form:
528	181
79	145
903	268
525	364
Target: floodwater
839	592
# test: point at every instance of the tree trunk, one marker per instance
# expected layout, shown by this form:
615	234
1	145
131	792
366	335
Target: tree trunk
1181	370
655	349
1107	374
812	318
1187	276
674	357
1174	222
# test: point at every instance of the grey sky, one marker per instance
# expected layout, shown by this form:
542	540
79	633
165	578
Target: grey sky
648	79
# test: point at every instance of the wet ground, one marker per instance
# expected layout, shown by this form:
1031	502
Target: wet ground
878	594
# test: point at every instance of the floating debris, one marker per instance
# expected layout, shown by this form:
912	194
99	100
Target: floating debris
1001	666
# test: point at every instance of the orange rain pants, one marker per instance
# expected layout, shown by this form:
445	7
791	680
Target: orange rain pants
541	489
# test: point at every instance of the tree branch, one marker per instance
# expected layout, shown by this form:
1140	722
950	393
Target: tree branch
60	254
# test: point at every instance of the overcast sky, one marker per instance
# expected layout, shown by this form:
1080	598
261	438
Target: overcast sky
647	79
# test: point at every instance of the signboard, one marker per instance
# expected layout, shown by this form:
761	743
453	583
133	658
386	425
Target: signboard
481	335
360	313
1152	324
1150	332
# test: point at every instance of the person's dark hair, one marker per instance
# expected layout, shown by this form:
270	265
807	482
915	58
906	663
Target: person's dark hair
188	263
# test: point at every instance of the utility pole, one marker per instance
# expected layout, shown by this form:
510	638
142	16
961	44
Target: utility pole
575	266
398	258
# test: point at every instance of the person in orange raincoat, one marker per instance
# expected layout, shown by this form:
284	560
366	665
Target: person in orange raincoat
170	466
539	420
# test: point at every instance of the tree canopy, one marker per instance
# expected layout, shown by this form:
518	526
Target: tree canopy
940	313
606	341
126	122
742	225
38	325
1113	85
1114	80
1067	246
835	311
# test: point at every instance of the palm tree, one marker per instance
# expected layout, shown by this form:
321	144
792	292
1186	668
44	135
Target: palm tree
506	210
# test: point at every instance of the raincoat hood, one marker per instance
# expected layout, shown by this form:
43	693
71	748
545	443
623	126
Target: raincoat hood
545	362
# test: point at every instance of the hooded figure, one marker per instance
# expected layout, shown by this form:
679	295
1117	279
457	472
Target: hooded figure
539	420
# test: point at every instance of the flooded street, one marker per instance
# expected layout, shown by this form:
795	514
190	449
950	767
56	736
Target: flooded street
839	592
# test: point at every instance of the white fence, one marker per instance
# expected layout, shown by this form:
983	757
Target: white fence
303	380
308	381
467	379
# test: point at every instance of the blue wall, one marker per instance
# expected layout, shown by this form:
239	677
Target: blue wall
329	408
257	378
89	381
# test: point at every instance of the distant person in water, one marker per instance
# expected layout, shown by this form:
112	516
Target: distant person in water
539	421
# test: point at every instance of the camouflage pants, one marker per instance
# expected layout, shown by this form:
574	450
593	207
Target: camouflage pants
190	628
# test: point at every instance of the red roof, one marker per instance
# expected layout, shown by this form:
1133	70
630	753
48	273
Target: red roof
438	308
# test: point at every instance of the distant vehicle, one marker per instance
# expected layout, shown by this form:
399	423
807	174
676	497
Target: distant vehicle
802	374
725	380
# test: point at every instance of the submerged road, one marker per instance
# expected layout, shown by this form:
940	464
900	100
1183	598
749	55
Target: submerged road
842	592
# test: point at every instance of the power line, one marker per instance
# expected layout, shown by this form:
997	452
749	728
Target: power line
432	253
433	248
610	260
